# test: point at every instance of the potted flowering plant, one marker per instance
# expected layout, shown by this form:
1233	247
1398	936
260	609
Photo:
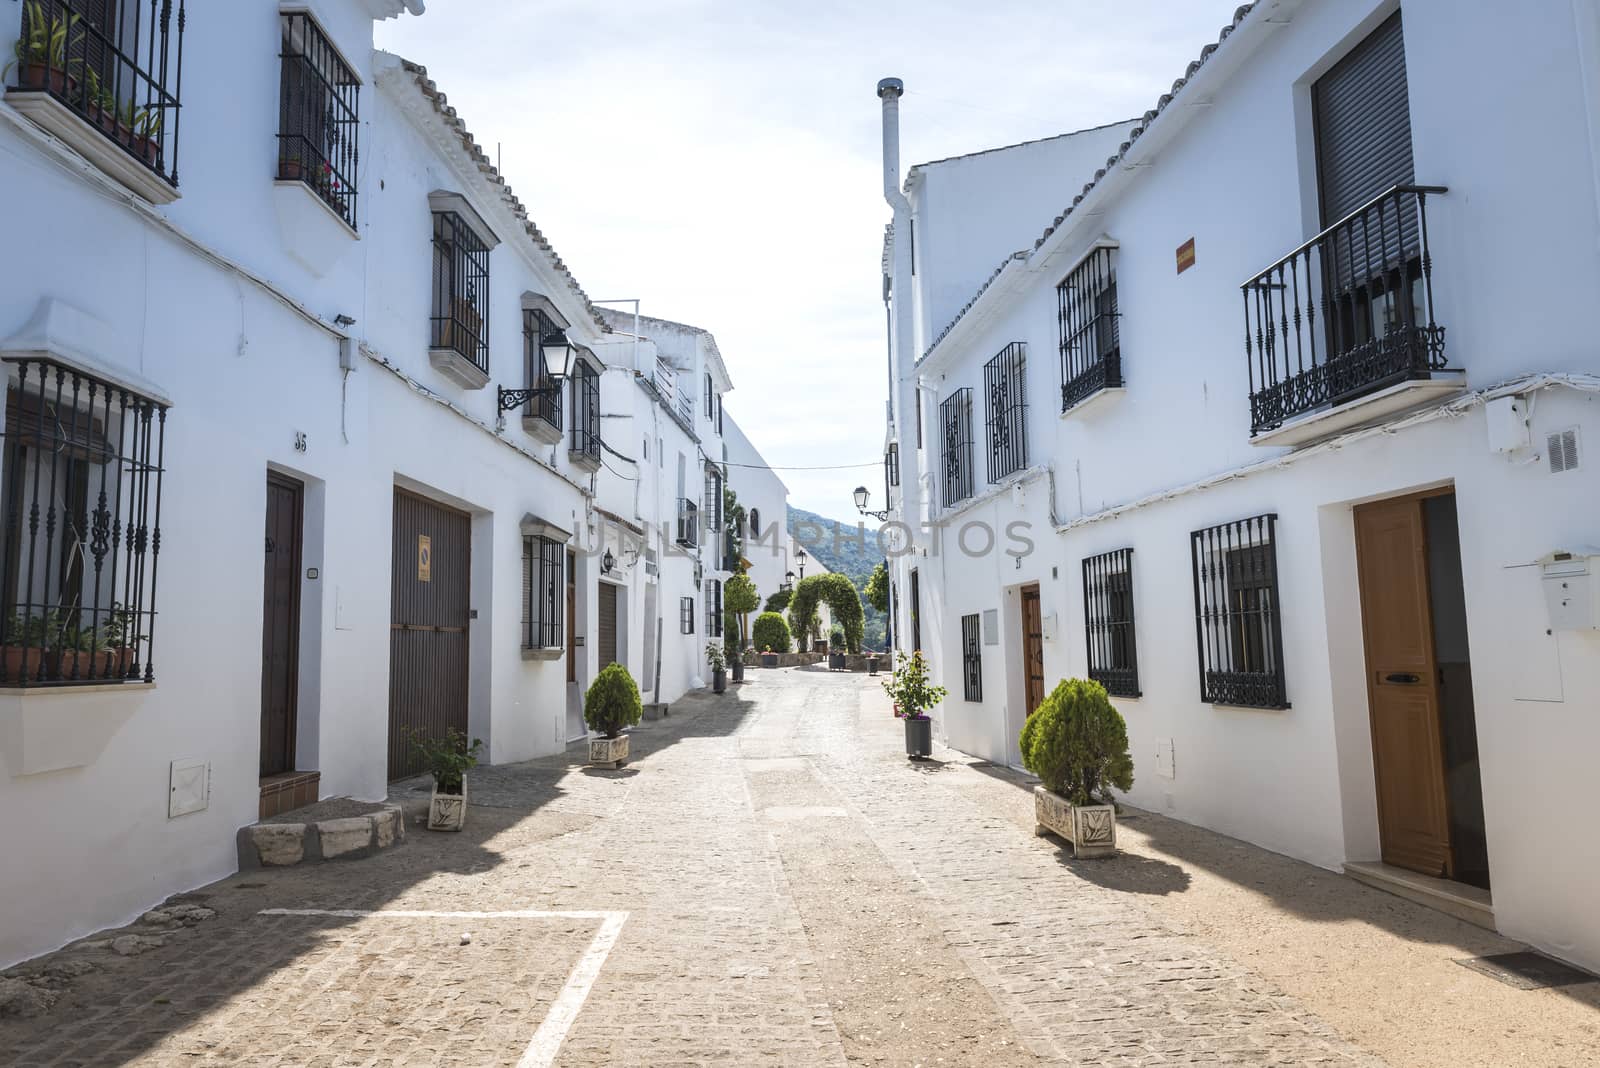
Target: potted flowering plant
611	704
718	662
769	659
42	49
913	695
447	760
1077	743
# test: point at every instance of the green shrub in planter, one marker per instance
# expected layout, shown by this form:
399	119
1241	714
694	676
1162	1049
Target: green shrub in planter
612	702
770	633
1077	743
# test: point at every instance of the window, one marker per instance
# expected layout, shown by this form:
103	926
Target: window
686	615
1108	622
688	523
971	658
542	588
1236	613
585	448
1005	396
536	326
711	398
1086	311
755	523
713	592
81	528
318	117
915	610
713	502
460	290
955	419
719	413
110	64
891	468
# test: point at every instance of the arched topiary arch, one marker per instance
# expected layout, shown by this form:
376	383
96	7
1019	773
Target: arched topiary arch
839	594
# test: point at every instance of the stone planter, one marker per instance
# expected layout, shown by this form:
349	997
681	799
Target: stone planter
719	681
836	662
872	665
738	670
609	752
447	812
1092	829
769	660
919	737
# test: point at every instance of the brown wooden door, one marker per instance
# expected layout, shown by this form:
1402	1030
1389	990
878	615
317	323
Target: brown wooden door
280	624
608	625
429	598
1403	686
1032	648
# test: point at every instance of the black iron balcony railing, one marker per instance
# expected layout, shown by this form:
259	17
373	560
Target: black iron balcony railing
688	523
118	66
460	320
318	116
585	412
546	405
1346	314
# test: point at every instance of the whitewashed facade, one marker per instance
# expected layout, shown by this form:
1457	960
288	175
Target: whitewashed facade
321	351
765	500
1487	454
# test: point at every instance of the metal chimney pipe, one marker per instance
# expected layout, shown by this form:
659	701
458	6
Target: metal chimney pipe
889	91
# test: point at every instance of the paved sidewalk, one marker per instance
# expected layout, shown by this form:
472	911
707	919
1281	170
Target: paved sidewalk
796	893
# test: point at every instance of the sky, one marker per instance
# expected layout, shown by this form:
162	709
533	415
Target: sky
720	161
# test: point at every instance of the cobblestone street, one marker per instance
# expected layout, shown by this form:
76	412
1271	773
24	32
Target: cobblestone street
795	892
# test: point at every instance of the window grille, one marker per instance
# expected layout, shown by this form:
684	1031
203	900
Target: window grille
971	658
585	410
82	528
686	615
713	504
688	523
713	594
318	115
719	415
1091	349
755	523
117	66
1108	627
536	326
1236	613
914	609
711	398
891	468
955	419
460	290
543	583
1005	394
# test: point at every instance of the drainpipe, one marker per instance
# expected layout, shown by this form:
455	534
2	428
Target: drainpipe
898	301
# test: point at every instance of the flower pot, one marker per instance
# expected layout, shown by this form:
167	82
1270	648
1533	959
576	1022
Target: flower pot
147	149
719	681
836	662
291	170
609	752
43	76
919	737
738	670
769	660
447	812
1092	829
83	664
872	665
25	663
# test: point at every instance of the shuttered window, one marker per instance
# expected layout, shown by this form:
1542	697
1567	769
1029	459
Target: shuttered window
1363	123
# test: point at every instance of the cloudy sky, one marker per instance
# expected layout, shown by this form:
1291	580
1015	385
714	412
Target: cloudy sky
720	160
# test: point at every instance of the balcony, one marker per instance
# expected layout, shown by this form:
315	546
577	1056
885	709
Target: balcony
97	76
688	523
1341	331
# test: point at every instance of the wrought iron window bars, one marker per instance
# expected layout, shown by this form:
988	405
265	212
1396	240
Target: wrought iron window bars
460	290
319	121
543	586
1236	607
81	540
1108	622
1005	395
971	659
585	410
955	419
1087	316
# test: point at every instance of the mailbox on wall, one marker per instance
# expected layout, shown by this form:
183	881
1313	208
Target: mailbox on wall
1572	588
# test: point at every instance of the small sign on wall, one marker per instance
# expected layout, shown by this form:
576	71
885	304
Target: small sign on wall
424	558
1186	255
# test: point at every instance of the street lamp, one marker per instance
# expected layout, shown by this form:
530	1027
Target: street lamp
862	499
558	353
607	562
801	556
788	581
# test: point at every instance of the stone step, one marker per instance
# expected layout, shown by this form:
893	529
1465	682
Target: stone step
329	830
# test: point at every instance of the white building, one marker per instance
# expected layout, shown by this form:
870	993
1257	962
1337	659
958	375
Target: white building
1279	429
765	500
292	316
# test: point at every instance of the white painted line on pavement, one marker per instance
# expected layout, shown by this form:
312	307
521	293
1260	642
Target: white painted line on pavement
546	1042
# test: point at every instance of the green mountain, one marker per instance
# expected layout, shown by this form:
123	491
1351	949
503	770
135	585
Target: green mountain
842	554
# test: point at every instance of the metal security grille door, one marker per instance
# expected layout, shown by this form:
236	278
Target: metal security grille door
280	625
429	597
607	638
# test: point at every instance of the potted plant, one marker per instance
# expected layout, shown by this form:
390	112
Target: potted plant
769	659
118	639
144	128
82	656
611	704
913	695
30	645
447	760
1077	743
719	667
736	665
41	51
836	660
291	168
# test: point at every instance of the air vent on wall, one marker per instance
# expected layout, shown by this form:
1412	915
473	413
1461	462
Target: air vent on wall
1562	448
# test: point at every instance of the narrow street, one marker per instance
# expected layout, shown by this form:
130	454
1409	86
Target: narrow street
770	881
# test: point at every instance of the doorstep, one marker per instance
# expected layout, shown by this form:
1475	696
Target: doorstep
287	791
1470	903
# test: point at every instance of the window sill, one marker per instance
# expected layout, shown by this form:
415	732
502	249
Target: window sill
311	231
456	367
584	461
69	731
542	654
1094	402
1400	397
541	429
56	118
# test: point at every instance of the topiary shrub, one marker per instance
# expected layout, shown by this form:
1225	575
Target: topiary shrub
612	702
1077	742
770	633
839	594
778	602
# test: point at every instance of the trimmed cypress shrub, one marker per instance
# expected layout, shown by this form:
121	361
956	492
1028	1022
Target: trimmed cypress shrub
612	702
1077	742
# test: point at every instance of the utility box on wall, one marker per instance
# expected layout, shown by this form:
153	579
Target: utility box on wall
1572	589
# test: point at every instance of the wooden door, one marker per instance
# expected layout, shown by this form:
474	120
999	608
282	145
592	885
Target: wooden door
429	598
1403	686
608	625
1032	648
280	624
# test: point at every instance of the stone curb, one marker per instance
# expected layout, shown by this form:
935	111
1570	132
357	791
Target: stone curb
279	845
